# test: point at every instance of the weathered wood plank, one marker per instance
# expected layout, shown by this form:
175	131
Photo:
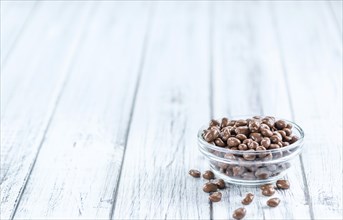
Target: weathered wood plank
312	55
79	164
337	10
258	60
172	104
248	79
14	17
31	82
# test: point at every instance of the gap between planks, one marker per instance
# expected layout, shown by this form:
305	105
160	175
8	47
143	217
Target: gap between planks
139	76
290	103
58	96
104	136
211	105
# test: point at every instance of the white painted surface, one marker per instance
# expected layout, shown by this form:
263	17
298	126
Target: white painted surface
31	82
15	16
248	73
83	146
337	12
314	70
172	103
101	102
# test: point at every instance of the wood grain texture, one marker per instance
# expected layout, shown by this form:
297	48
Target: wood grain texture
248	79
312	56
30	90
101	103
14	17
84	145
172	104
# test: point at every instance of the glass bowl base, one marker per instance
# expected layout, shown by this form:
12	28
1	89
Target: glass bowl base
245	182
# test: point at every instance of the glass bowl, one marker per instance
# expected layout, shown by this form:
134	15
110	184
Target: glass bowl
267	167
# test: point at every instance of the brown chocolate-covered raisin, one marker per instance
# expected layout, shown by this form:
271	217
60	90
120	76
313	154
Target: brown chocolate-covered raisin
241	137
264	126
256	137
208	174
232	123
241	122
262	173
269	121
283	133
268	191
243	147
252	145
220	183
284	144
214	123
294	139
282	184
242	130
265	186
238	170
233	142
215	196
261	149
249	155
265	142
280	124
266	132
287	138
248	199
211	135
254	125
225	122
273	202
276	137
273	146
288	131
225	134
239	213
219	142
209	187
194	173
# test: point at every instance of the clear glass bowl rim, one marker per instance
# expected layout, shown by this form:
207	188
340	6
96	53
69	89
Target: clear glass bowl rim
202	141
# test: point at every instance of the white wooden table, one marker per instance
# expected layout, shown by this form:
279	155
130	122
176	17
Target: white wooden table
101	103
